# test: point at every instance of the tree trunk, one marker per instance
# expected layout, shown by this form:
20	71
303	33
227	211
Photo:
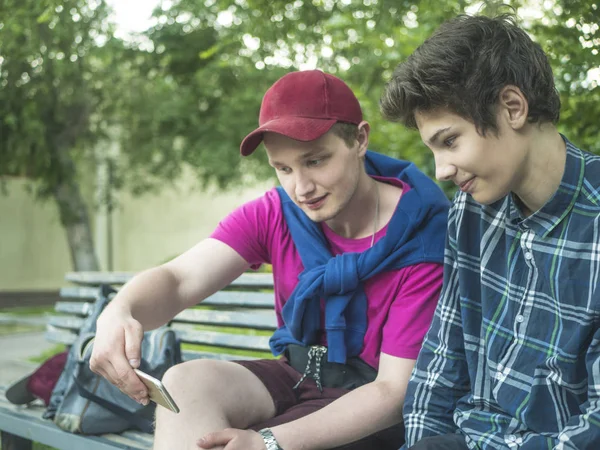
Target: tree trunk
75	219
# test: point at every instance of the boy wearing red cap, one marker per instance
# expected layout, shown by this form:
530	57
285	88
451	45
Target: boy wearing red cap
356	242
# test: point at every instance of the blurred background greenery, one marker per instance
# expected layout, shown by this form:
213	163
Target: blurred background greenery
76	96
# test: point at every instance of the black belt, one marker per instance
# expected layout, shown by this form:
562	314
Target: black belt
312	362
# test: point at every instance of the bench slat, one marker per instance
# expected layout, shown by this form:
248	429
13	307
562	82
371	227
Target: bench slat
144	438
81	292
254	320
216	339
59	336
221	298
187	335
74	308
190	355
66	322
235	319
241	299
253	280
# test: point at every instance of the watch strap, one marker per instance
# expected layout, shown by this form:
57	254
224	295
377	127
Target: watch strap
269	439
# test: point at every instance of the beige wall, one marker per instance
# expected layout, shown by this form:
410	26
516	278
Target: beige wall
150	230
33	248
146	231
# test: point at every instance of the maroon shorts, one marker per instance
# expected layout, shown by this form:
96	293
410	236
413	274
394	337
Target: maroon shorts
279	378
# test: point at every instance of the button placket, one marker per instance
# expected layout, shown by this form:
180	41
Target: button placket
519	318
527	244
526	241
513	441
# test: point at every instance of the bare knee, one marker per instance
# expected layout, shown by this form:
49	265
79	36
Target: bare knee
191	378
219	388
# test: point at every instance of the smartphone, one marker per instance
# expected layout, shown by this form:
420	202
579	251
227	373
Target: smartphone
157	392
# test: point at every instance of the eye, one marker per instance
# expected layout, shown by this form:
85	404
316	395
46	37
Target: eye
313	162
285	170
449	141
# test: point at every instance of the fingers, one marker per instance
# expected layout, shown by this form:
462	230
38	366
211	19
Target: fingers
113	348
232	439
216	438
134	334
124	377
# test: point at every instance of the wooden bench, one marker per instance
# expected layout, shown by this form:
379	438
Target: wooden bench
234	323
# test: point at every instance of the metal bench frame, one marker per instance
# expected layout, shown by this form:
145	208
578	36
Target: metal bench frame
246	305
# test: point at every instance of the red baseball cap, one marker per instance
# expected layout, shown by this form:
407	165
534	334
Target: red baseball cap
303	106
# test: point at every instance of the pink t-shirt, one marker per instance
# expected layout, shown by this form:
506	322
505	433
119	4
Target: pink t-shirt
400	302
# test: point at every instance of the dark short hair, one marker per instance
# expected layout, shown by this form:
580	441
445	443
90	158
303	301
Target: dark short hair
346	131
464	65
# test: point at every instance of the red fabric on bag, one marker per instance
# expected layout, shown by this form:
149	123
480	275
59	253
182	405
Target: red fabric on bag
42	381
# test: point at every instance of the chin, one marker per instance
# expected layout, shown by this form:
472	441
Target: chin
487	198
319	216
315	216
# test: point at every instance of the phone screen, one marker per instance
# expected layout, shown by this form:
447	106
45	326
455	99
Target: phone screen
157	392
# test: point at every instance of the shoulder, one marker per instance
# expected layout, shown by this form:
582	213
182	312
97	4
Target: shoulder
268	205
581	181
258	217
590	186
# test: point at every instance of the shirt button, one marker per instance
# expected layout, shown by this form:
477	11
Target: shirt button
520	318
512	438
528	256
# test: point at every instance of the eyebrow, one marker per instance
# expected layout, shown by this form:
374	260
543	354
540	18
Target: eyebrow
432	140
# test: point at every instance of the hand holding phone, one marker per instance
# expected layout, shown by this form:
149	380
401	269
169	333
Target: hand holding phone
157	392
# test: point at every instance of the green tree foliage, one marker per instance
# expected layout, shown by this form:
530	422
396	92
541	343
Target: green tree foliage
570	33
51	70
214	59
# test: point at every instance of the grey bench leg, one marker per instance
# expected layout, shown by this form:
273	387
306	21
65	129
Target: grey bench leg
12	442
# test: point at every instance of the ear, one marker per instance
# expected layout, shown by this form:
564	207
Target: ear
513	106
363	138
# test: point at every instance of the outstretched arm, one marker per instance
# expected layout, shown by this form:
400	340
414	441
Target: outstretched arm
152	298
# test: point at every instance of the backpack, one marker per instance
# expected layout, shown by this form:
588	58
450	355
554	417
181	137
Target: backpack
86	403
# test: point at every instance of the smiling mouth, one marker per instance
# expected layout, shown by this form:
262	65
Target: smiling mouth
465	186
315	203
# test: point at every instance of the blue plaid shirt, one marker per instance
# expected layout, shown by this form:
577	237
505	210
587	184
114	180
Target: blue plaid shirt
512	358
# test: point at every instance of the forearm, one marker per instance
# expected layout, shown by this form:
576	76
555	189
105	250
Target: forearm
155	296
361	412
150	297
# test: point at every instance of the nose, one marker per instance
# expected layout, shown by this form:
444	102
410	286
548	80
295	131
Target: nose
304	185
444	170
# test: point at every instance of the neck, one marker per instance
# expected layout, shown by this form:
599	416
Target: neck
544	168
357	219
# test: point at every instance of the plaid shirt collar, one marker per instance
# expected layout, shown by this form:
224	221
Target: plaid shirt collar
543	221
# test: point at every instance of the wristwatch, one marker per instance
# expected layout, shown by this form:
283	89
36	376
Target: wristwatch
270	441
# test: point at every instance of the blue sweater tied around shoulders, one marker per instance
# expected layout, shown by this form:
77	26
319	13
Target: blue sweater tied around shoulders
416	234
